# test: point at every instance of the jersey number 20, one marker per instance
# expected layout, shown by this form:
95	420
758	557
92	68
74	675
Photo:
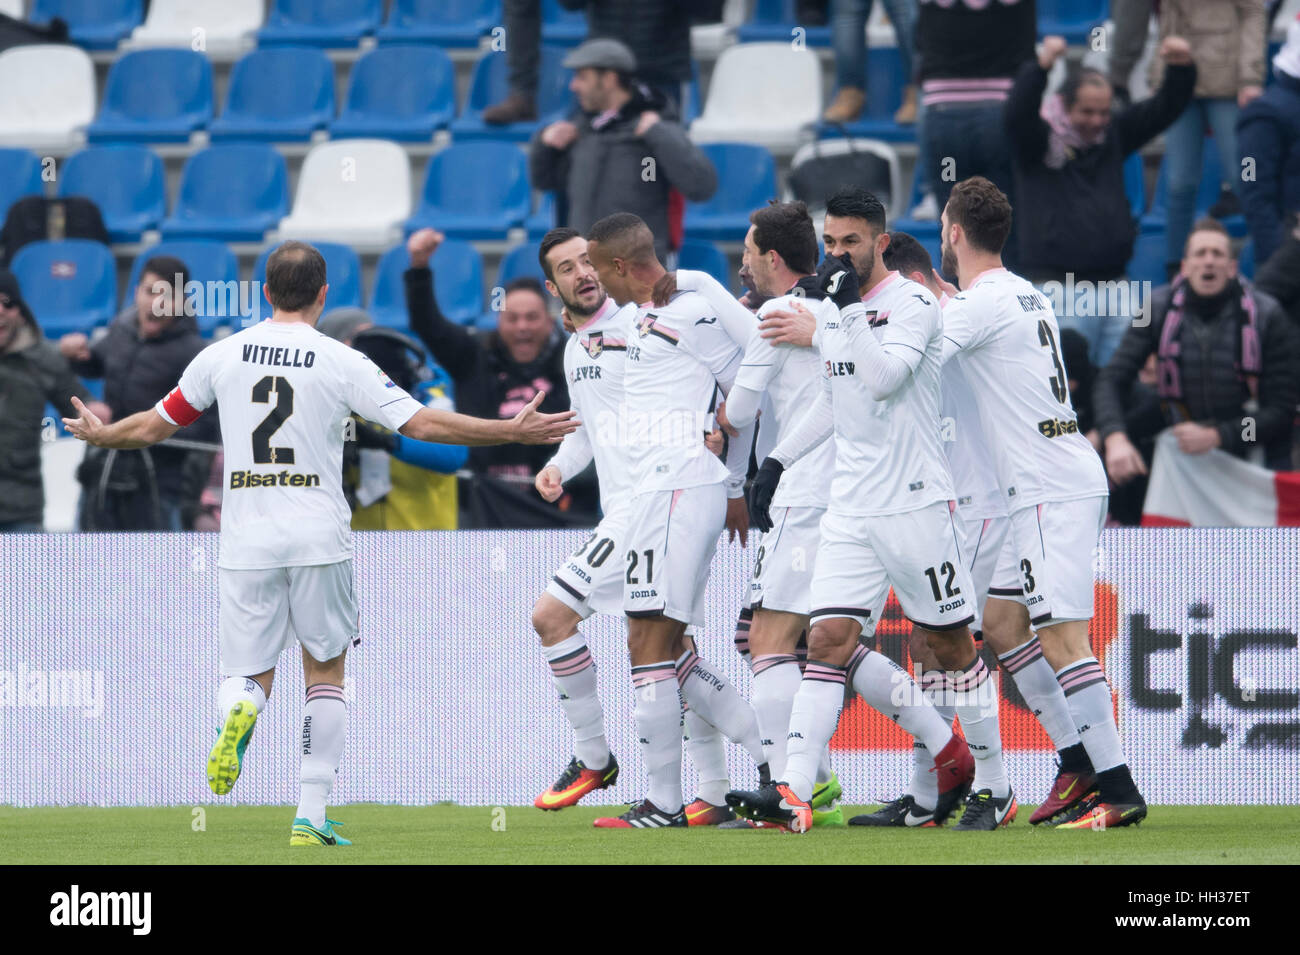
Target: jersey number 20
263	453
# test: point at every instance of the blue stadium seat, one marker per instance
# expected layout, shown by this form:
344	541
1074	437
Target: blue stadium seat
1246	259
92	24
1135	186
542	220
280	95
458	284
320	22
20	175
1207	193
746	181
342	273
125	181
71	285
476	190
446	23
398	92
520	262
775	21
216	269
1148	261
1072	19
702	255
233	192
885	82
489	86
158	96
566	27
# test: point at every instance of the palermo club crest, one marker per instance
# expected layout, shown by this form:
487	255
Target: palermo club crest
595	344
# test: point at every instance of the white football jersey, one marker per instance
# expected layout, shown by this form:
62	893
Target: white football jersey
595	360
791	378
889	456
970	459
1004	333
677	357
286	393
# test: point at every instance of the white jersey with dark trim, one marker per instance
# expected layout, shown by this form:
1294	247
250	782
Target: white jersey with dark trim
970	458
286	394
1004	333
889	456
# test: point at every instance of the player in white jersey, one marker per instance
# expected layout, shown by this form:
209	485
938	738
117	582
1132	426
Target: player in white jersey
1005	334
678	359
286	393
888	524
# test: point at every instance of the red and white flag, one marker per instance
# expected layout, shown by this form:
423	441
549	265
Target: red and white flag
1217	490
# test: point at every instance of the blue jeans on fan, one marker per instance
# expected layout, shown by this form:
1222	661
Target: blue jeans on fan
849	38
1184	142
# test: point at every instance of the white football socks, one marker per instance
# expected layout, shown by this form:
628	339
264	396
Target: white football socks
776	681
887	688
976	698
715	699
1037	683
324	728
1087	694
924	785
709	756
658	715
574	673
813	718
234	689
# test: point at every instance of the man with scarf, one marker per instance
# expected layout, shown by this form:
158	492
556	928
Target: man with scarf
1225	360
1068	157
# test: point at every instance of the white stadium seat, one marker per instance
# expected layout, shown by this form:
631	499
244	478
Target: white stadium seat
12	8
228	27
47	96
356	191
764	93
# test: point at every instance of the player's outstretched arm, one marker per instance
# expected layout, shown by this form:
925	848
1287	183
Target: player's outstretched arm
530	426
138	431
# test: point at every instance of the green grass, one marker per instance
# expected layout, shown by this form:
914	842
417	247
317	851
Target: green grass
1181	835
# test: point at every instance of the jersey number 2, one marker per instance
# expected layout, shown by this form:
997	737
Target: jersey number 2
263	453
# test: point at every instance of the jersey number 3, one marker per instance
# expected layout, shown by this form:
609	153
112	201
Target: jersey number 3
1059	382
263	453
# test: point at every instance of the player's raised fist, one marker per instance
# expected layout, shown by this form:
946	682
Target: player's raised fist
530	426
664	289
1176	50
1052	49
75	346
838	280
548	483
421	246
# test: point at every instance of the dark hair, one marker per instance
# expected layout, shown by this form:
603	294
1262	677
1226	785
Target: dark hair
787	228
626	235
983	212
295	273
167	267
1075	79
854	202
526	283
1207	224
906	255
551	240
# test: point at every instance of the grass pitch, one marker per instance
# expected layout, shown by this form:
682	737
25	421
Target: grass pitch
259	835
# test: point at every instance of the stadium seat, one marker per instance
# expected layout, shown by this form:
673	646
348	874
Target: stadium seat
125	181
774	21
158	96
1207	193
1246	259
320	22
565	27
1135	186
48	96
70	285
869	163
446	23
769	94
356	191
542	220
226	29
1148	261
342	274
489	86
746	181
1072	19
398	92
279	95
521	262
458	285
234	192
20	175
476	190
885	82
92	24
216	270
702	255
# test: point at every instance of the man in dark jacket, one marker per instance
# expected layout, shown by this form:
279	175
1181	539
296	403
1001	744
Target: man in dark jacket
32	372
1069	169
1280	275
627	153
1268	134
147	347
1225	356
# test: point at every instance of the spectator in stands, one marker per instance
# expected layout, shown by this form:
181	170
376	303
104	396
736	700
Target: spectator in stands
1280	275
494	376
624	154
1225	355
140	359
1132	19
849	36
523	54
1268	135
1228	42
1069	168
32	372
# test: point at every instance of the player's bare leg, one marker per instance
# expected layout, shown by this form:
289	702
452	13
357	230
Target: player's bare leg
240	700
324	730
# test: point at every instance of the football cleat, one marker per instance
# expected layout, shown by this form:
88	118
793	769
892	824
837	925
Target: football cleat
305	834
775	804
984	813
830	816
1067	790
955	767
575	782
903	811
1096	814
644	815
824	794
226	758
741	822
704	813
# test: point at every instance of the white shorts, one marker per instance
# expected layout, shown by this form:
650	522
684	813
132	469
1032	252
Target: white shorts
784	561
1055	543
916	552
670	542
591	580
265	611
990	557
